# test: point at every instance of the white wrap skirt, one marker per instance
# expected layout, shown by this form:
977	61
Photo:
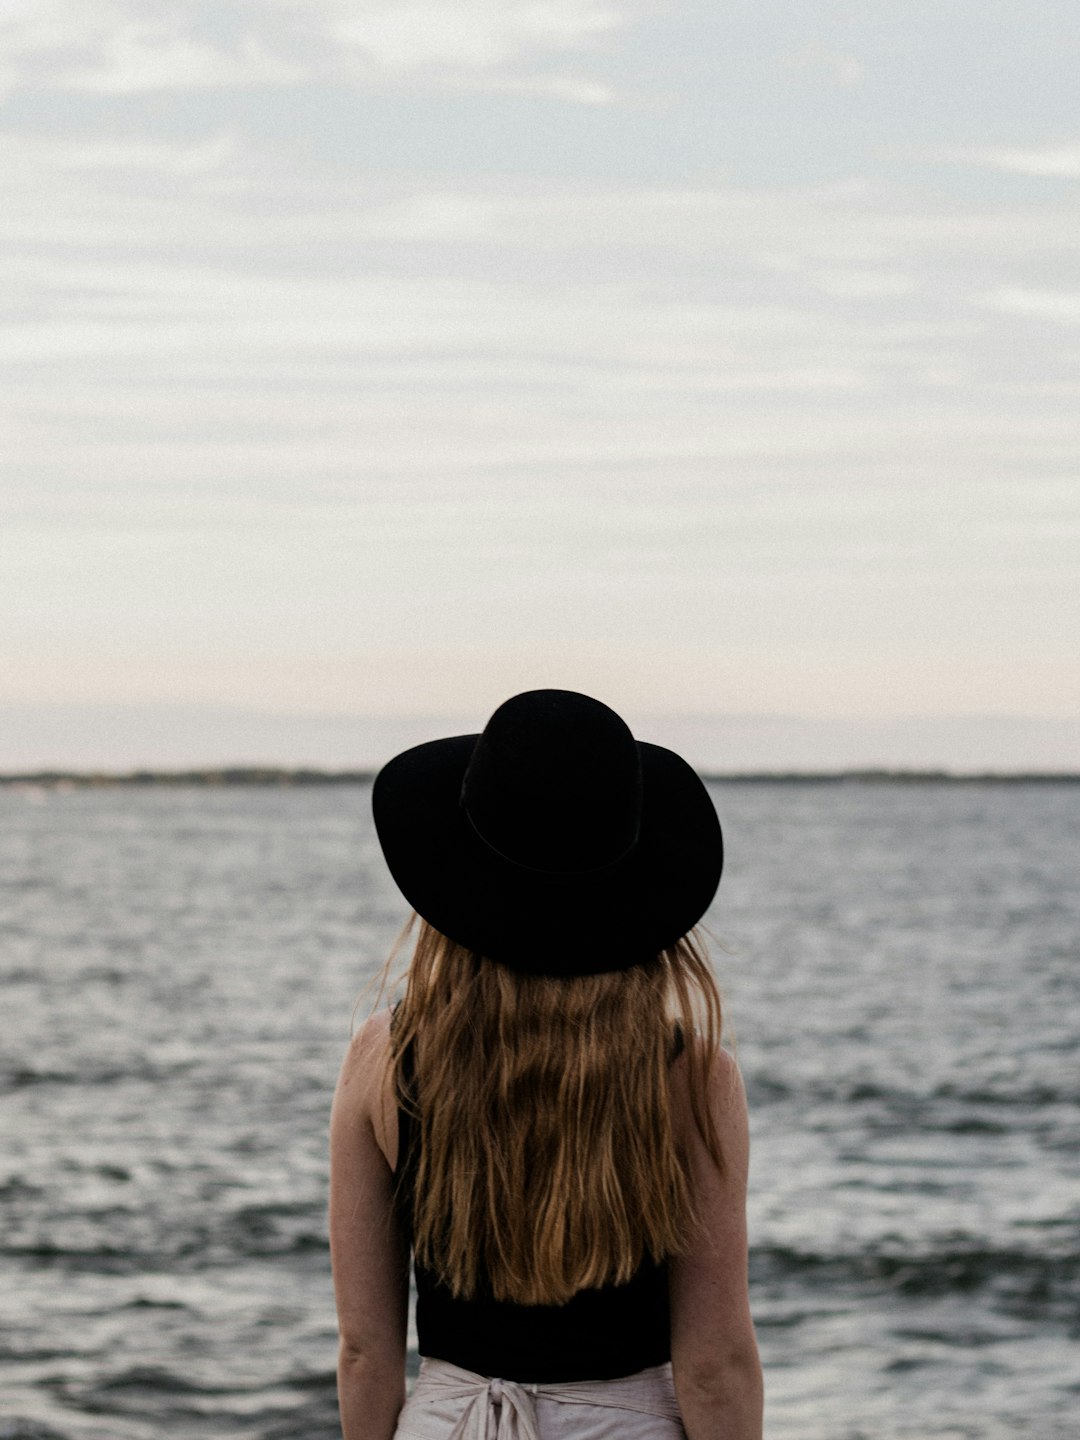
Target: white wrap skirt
453	1404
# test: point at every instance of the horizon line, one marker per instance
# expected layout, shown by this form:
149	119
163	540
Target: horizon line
239	775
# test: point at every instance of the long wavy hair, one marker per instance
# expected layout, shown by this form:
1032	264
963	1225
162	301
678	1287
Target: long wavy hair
548	1160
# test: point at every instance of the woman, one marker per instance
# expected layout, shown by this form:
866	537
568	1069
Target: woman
546	1122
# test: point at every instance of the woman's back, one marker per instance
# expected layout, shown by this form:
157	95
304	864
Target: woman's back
710	1330
601	1331
545	1161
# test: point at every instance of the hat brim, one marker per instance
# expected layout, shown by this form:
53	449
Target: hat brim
538	921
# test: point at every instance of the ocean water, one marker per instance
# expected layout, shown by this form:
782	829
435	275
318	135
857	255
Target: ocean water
179	967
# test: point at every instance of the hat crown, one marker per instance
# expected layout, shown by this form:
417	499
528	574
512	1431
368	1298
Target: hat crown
554	783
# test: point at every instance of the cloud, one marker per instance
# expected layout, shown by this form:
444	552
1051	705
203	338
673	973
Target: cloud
170	293
33	33
158	56
1062	306
125	47
851	240
466	34
1059	161
129	46
128	156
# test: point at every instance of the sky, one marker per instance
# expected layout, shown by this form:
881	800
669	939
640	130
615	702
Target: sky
363	364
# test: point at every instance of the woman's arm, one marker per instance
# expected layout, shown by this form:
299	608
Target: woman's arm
369	1258
713	1347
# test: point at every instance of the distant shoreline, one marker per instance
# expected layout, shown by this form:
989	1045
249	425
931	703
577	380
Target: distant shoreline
284	777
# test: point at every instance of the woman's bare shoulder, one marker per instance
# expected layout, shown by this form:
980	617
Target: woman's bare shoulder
723	1080
362	1091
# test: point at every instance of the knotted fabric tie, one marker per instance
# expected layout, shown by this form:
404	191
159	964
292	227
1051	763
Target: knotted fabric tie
506	1409
498	1410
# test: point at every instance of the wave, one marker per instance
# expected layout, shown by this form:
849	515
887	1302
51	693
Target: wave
30	1355
15	1187
87	1259
177	1403
29	1430
140	1389
1031	1097
158	1377
190	1256
21	1077
766	1088
1043	1282
284	1228
144	1302
127	1240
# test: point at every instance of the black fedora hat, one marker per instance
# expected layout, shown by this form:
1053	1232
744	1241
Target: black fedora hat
554	842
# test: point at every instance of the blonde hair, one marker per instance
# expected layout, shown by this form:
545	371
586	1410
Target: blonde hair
548	1161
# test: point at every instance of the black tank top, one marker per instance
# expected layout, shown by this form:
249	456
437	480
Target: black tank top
599	1334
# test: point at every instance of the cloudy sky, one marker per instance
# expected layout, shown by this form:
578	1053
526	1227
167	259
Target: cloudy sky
368	360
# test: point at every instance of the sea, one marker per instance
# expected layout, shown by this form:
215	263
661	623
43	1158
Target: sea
179	971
